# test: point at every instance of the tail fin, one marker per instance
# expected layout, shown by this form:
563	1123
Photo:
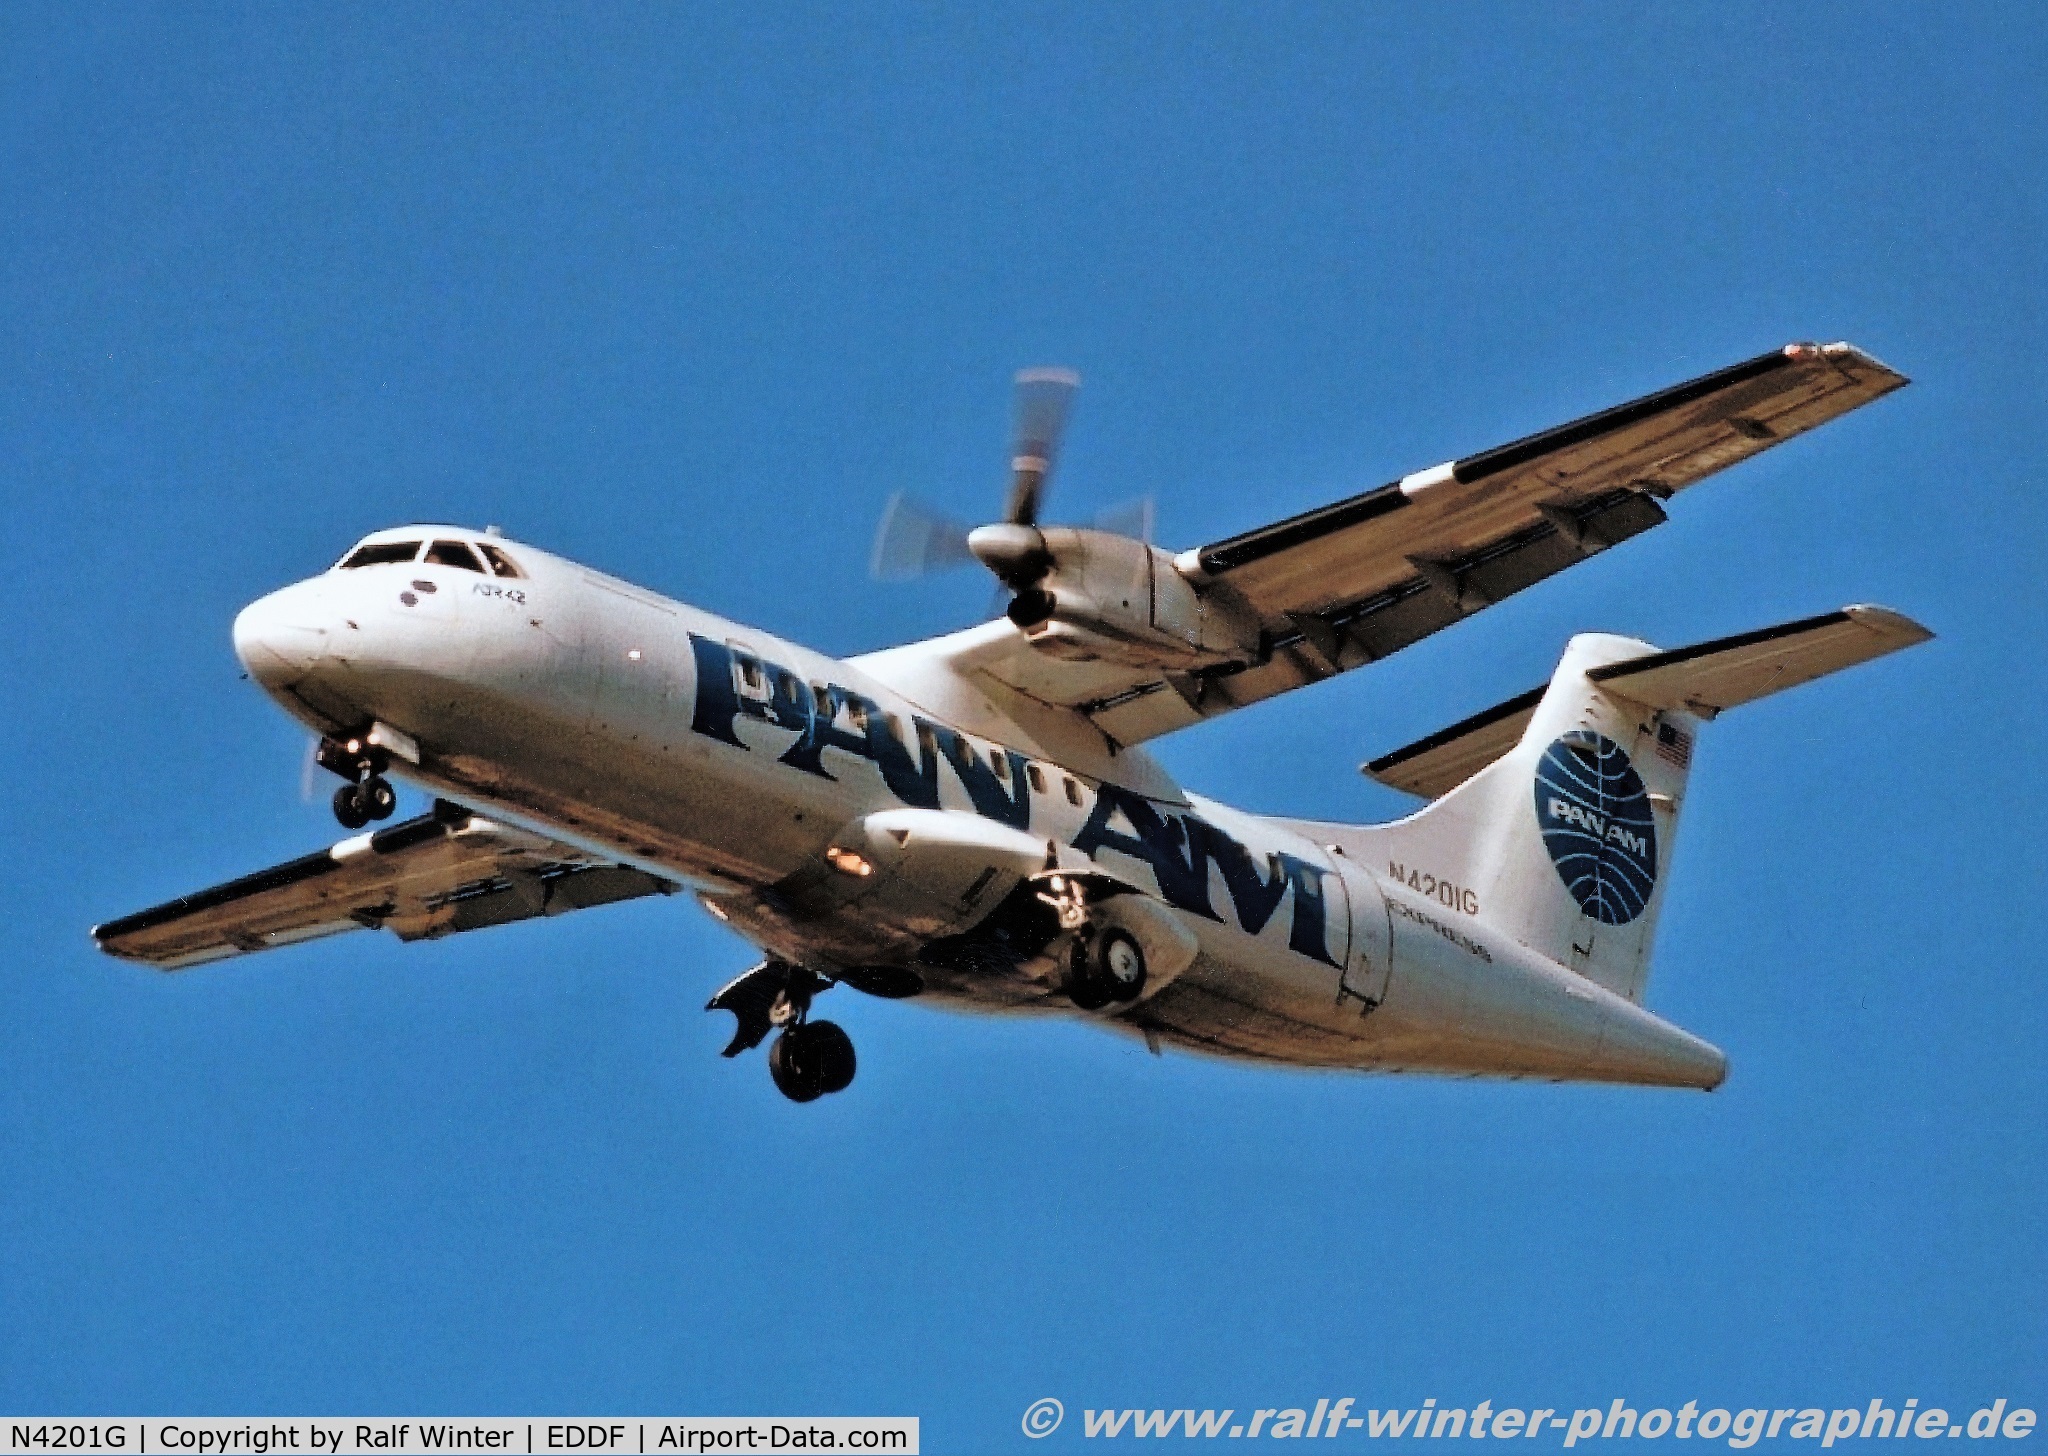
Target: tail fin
1565	834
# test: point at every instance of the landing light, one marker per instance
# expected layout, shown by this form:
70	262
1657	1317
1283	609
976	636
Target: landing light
848	863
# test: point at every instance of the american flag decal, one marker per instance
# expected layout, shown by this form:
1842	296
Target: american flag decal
1674	745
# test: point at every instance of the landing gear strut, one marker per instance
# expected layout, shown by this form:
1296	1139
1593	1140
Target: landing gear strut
368	794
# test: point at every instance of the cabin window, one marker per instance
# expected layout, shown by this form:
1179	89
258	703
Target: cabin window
1000	762
821	696
927	743
454	553
380	553
1073	792
746	669
1031	771
857	711
501	564
963	752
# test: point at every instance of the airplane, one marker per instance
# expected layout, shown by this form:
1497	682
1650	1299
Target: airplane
974	820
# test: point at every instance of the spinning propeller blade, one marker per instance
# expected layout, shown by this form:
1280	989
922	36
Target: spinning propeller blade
1045	397
913	539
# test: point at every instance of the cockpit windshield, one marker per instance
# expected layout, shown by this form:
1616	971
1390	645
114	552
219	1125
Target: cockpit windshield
380	553
500	562
454	553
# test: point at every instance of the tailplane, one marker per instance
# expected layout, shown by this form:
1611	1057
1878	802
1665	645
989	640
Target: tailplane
1558	810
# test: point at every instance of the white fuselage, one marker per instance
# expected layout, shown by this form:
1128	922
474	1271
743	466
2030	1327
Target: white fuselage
646	730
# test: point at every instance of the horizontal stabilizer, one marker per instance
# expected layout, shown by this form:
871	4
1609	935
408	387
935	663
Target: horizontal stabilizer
1704	680
1715	676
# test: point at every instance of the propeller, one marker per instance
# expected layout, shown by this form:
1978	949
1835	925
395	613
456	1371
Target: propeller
915	539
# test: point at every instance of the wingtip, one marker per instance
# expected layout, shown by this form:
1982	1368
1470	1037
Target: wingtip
1889	623
1840	351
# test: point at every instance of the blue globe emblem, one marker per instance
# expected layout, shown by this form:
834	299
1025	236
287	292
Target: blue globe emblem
1595	816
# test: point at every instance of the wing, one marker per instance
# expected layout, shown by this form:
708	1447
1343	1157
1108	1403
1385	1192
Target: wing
1356	581
444	872
1705	680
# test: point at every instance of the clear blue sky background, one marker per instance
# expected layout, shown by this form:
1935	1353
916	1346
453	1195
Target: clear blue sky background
686	294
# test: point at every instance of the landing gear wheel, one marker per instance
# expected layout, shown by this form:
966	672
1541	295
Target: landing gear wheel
793	1075
830	1050
378	798
1121	964
350	808
1087	987
811	1060
1111	967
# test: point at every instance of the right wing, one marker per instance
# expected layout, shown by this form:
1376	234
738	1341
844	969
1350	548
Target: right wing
436	875
1356	581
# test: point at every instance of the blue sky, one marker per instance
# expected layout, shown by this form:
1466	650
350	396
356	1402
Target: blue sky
686	294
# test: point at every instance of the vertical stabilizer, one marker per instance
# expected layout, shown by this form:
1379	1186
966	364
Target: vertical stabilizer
1566	840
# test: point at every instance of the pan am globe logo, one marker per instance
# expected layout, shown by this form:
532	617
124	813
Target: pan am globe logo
1595	818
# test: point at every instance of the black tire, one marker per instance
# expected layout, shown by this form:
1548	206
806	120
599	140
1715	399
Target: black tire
379	798
830	1052
349	807
1087	987
1120	964
795	1075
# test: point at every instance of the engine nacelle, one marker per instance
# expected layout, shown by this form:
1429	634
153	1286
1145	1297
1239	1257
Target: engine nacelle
1111	598
927	872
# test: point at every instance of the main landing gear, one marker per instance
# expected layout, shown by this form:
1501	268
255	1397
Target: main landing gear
810	1059
1107	967
368	794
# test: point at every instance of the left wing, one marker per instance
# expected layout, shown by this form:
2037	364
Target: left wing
441	873
1350	583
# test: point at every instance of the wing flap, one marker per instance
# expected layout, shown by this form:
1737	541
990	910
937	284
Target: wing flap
439	874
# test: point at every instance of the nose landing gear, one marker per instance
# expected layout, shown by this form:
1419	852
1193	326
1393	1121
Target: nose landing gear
368	794
357	804
810	1059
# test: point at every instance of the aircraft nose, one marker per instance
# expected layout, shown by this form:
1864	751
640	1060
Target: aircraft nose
280	637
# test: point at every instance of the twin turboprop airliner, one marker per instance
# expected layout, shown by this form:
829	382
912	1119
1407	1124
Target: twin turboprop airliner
974	820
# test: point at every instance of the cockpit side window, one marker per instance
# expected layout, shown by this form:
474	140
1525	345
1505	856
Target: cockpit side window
454	553
380	553
501	564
